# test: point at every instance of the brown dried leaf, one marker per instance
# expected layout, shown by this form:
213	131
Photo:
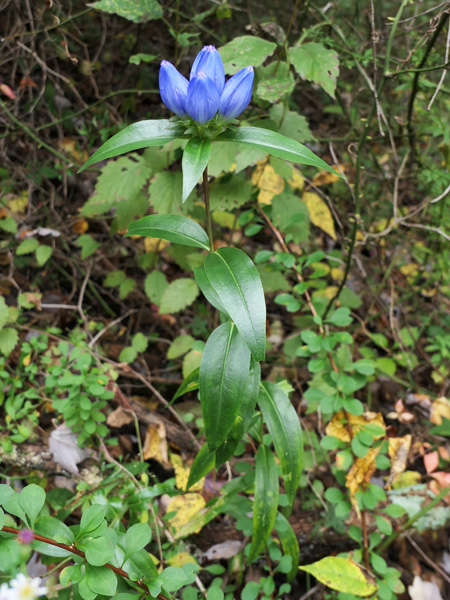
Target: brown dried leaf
155	444
398	453
119	417
344	430
360	474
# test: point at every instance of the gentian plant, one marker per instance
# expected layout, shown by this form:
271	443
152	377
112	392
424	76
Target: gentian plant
229	377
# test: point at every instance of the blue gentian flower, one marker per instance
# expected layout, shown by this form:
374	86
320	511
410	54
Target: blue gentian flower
206	93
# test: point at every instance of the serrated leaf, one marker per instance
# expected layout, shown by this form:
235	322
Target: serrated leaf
223	374
275	81
245	51
138	135
195	159
293	125
4	312
27	246
231	193
165	191
8	340
276	145
319	213
236	281
314	62
178	295
155	284
138	11
174	228
87	244
265	504
341	574
284	427
126	287
180	345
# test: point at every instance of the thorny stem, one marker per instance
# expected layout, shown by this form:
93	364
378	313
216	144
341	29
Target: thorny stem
208	209
46	540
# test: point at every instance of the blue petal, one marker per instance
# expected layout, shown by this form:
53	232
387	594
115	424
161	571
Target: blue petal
237	94
202	99
173	88
208	60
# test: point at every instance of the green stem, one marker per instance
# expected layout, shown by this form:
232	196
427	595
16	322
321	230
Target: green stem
394	535
208	209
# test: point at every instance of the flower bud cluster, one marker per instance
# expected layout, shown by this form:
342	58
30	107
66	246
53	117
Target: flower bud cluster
206	93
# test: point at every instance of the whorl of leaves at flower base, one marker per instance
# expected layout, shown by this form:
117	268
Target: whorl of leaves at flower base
206	93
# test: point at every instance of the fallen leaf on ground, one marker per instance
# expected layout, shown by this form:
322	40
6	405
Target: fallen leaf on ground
119	417
182	475
440	409
64	447
155	444
270	184
324	177
360	474
185	506
341	425
398	453
224	550
319	213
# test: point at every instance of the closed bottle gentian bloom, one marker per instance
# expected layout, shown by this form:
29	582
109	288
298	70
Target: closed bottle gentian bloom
206	93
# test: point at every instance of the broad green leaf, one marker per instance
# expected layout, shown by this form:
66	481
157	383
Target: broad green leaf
137	537
56	530
203	464
275	144
141	564
236	280
174	228
293	125
101	580
165	191
228	194
4	317
8	224
244	416
289	542
284	426
341	574
316	63
12	505
275	81
43	253
155	284
135	136
2	519
27	246
222	158
207	290
91	519
71	574
265	504
84	590
194	162
32	499
178	295
223	374
138	11
190	384
245	51
100	550
5	493
139	342
87	244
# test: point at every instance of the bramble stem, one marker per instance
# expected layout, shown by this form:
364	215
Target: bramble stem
208	209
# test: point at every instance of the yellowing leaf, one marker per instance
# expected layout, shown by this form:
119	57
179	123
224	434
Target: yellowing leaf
319	213
398	453
329	292
70	148
296	181
324	177
18	204
180	559
182	474
186	507
155	444
341	574
340	428
337	273
440	409
406	479
154	244
410	270
270	184
360	474
80	226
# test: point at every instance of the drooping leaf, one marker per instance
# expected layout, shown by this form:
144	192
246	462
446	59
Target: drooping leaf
289	542
244	416
275	144
245	51
236	280
178	295
194	162
135	136
223	374
174	228
314	62
203	464
190	384
284	427
341	574
265	504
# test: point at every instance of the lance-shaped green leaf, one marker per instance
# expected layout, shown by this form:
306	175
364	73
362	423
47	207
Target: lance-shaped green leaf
276	144
236	281
195	159
203	464
289	543
174	228
190	384
341	574
265	505
138	135
207	289
284	426
223	375
245	414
